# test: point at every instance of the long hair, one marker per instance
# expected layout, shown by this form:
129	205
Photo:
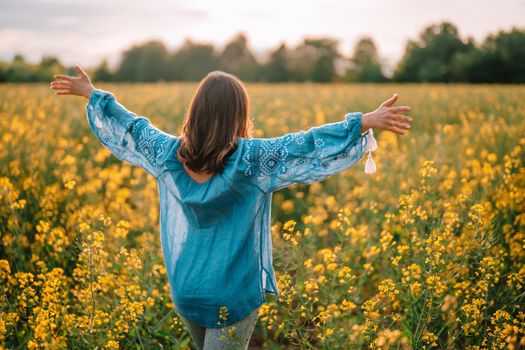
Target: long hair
218	115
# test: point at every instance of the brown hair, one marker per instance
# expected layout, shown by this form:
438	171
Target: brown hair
218	115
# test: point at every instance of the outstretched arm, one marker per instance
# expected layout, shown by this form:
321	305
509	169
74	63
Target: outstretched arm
321	151
128	137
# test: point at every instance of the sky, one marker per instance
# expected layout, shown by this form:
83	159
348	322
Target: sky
85	32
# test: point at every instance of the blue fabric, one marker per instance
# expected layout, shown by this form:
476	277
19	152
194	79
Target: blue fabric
215	235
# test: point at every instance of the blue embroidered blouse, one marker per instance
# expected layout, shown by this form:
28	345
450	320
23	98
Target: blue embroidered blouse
215	235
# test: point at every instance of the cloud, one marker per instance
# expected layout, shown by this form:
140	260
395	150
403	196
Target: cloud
86	32
59	15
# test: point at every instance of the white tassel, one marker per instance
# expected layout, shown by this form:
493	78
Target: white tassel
370	166
371	145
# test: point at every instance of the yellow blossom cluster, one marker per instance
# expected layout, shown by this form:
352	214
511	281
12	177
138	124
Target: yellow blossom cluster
425	253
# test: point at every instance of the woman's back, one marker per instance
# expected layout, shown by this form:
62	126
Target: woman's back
215	235
215	239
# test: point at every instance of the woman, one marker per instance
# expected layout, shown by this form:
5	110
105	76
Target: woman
215	185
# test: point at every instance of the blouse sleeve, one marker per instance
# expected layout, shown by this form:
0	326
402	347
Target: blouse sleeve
128	137
306	156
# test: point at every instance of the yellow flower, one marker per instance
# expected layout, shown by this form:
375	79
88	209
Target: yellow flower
288	206
289	225
311	286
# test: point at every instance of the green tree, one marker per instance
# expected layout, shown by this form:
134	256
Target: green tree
144	62
236	58
276	69
192	61
3	71
314	60
20	70
365	64
102	72
48	66
327	51
429	59
502	58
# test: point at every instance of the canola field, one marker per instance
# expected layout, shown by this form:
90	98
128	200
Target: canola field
426	253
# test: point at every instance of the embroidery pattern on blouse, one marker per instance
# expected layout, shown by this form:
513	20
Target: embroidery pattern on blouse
99	123
103	133
319	143
149	140
300	161
247	158
299	139
273	153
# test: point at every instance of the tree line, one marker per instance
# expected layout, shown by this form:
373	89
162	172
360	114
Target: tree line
439	54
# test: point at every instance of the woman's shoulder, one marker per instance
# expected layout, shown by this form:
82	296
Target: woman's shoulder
240	165
266	154
244	155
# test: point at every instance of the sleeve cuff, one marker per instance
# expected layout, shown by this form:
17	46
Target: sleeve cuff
356	117
97	94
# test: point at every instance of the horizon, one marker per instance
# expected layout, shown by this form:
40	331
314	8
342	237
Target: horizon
63	28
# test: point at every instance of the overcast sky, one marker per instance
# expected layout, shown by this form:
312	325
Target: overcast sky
85	32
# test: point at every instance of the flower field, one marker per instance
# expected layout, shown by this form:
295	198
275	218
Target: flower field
426	253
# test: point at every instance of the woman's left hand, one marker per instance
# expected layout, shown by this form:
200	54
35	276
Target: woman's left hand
67	85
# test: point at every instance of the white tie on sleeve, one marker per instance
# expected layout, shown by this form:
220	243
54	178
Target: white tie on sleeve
371	145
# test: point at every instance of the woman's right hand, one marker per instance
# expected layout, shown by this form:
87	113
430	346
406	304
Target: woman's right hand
387	117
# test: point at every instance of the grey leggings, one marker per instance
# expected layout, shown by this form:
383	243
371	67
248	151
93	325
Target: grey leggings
225	337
